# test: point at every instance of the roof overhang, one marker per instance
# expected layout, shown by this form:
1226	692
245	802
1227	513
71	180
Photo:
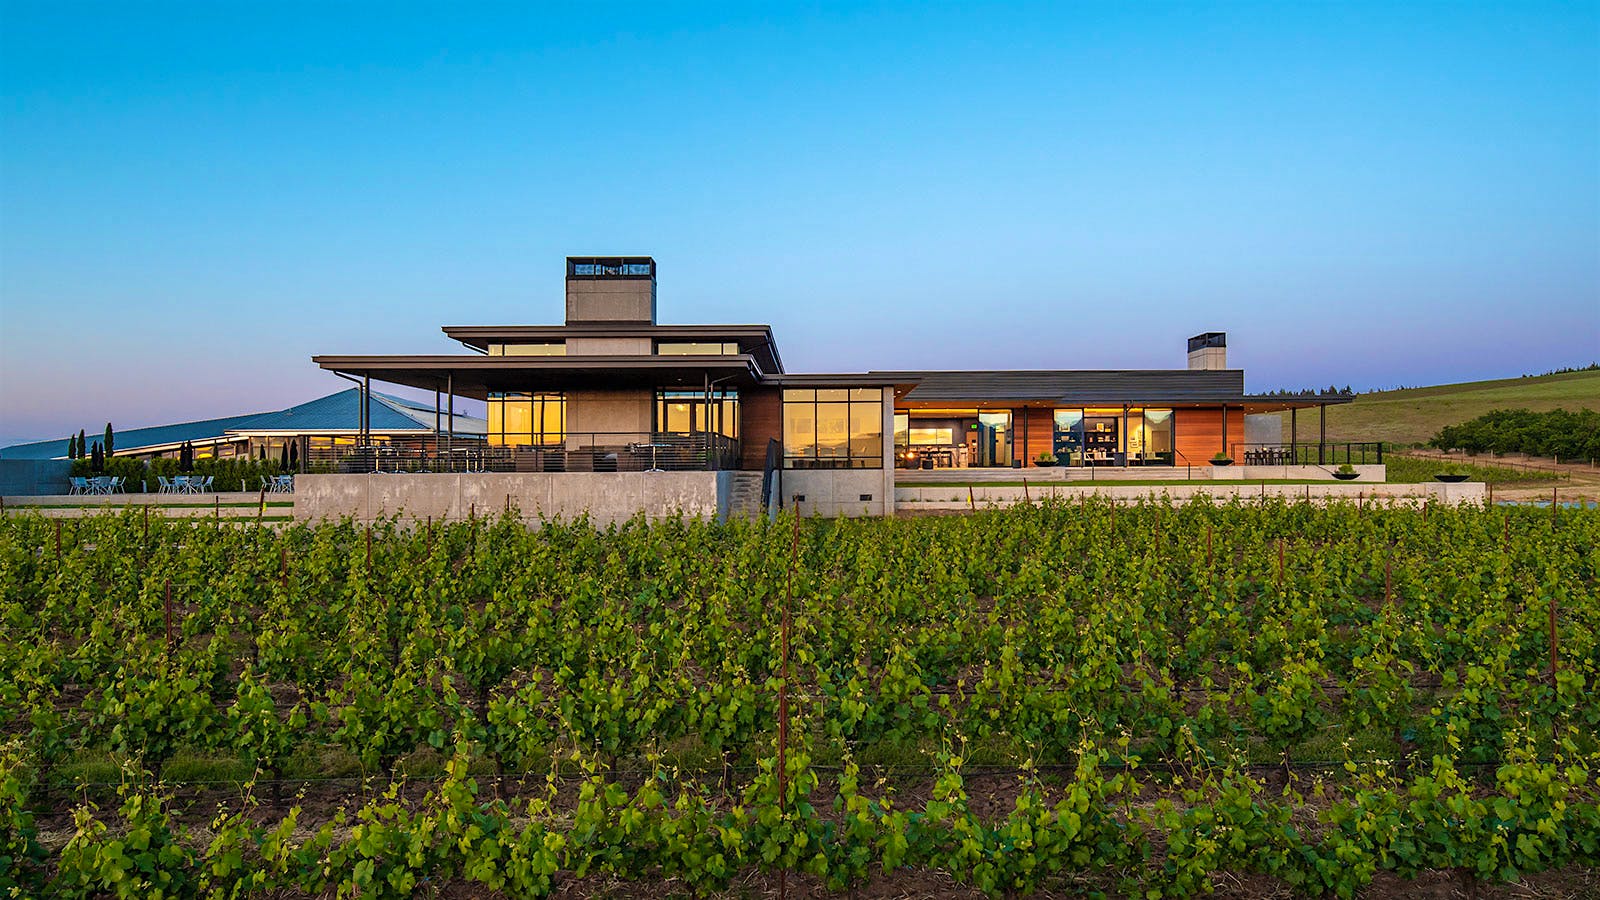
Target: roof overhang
478	376
755	340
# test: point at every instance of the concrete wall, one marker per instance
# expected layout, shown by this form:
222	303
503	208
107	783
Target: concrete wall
837	492
1367	474
1210	358
606	497
952	497
611	300
25	477
623	413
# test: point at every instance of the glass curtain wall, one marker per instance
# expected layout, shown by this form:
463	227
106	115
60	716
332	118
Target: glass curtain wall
527	419
547	348
686	412
1110	436
833	428
696	348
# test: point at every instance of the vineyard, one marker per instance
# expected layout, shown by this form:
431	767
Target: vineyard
1152	701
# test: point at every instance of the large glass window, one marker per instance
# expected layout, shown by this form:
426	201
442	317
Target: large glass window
833	428
527	420
994	439
1158	436
696	348
547	348
687	412
1068	437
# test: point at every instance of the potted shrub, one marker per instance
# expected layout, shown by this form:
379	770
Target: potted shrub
1451	475
1346	472
1045	459
1221	459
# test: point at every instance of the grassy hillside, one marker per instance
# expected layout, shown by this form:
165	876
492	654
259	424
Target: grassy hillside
1414	414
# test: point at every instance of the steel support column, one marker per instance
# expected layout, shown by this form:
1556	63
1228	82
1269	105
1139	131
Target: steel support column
450	391
366	409
1294	451
1322	433
1224	429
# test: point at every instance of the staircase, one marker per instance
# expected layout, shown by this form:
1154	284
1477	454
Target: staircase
744	502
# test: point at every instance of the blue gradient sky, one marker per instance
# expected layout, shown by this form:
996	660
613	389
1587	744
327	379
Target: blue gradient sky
196	198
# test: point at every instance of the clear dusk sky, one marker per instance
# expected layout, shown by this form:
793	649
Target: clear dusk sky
196	198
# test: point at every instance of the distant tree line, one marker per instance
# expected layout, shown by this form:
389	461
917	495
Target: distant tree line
1556	433
1329	391
1564	370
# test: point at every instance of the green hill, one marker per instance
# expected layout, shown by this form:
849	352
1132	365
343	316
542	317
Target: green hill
1415	414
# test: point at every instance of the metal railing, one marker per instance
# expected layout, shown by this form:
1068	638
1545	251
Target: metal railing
577	452
1355	453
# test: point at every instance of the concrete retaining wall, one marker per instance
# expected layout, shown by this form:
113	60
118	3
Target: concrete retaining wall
23	477
606	497
838	492
1032	474
912	499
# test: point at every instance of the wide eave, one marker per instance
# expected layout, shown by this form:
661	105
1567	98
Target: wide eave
478	376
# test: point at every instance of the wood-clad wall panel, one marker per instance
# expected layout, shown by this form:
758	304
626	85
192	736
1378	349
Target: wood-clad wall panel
1198	433
1033	432
760	418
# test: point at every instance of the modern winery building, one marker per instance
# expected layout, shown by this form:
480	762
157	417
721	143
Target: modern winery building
613	391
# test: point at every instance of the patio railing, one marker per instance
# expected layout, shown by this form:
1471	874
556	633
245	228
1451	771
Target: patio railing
1308	454
577	452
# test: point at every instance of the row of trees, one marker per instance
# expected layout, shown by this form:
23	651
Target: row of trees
1555	433
1330	390
78	446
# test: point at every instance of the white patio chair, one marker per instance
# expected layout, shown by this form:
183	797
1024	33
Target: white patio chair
77	485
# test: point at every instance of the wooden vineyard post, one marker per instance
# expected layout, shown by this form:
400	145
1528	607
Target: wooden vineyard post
972	504
261	508
168	605
1280	564
58	542
1025	498
783	697
1208	549
1490	486
1388	580
1553	506
1505	534
369	549
283	567
1555	667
